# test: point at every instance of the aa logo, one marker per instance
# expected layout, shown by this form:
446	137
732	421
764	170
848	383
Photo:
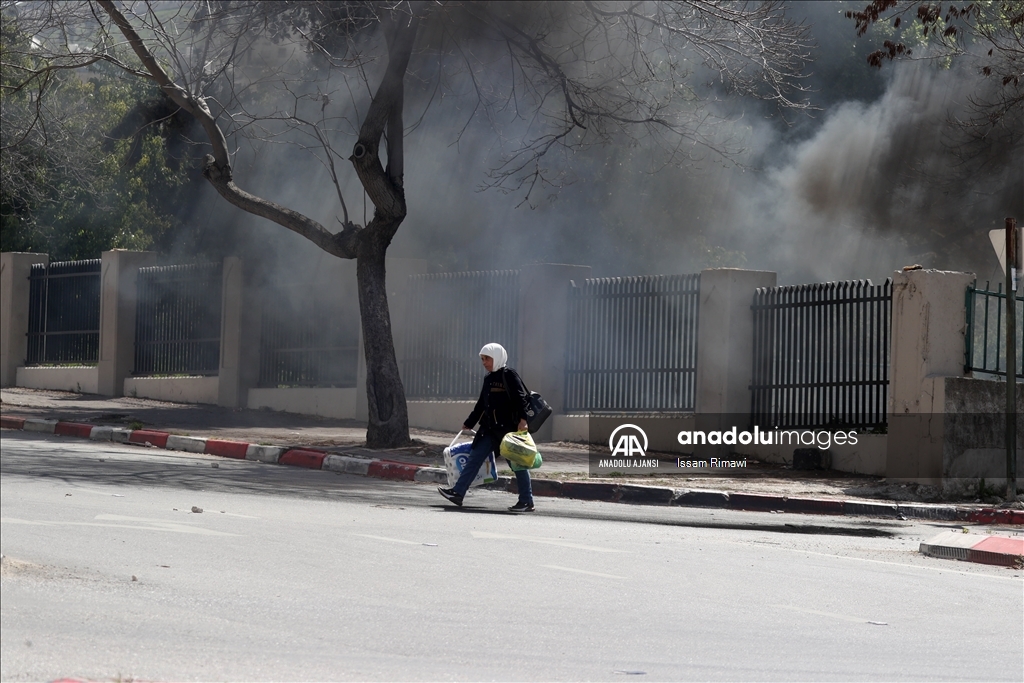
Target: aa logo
628	443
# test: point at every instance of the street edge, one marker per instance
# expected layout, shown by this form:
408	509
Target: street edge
634	494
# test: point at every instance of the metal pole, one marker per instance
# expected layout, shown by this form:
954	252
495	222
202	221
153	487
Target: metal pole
1011	359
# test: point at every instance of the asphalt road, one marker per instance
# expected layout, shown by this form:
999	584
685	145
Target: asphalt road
290	574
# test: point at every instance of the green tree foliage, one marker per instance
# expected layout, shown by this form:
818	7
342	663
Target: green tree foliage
90	166
987	37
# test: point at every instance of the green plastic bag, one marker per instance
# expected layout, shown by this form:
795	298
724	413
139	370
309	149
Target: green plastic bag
519	449
537	462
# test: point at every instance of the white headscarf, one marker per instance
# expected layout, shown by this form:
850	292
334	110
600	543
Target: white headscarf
497	352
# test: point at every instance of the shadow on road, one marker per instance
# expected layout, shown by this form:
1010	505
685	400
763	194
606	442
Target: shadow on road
36	458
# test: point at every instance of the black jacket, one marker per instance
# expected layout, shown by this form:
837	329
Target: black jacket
502	404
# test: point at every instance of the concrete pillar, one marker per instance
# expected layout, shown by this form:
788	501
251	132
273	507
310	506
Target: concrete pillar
252	328
725	351
929	321
118	299
397	272
229	372
543	319
725	338
14	272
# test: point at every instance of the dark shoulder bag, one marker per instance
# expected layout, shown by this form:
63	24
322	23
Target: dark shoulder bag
538	410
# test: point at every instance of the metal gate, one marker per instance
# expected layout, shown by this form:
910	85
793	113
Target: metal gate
177	321
307	340
451	315
986	331
632	344
64	313
821	355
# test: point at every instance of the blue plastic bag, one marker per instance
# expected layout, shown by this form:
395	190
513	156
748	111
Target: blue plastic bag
455	458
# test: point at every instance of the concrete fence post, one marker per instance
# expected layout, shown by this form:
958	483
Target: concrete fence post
929	322
14	271
543	331
118	301
229	371
725	351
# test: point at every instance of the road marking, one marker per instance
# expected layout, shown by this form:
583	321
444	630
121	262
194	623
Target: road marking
583	571
124	518
546	541
156	526
951	570
841	617
392	540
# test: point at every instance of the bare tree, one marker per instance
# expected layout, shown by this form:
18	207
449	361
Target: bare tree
332	76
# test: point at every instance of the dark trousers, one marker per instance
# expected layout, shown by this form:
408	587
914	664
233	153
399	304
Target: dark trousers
485	443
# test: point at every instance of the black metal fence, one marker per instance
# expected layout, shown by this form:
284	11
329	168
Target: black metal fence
986	331
178	320
451	315
64	313
821	355
632	344
307	340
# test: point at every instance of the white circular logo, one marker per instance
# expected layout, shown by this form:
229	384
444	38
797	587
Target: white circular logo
628	443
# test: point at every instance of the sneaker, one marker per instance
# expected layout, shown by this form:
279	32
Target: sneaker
451	495
522	507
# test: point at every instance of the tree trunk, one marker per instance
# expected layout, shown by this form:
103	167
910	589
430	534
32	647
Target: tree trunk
388	425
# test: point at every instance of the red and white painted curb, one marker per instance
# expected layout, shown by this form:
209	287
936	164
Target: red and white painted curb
276	455
998	550
580	490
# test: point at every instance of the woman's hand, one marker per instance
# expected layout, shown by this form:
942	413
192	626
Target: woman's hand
523	426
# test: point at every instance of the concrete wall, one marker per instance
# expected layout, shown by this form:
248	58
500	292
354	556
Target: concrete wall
926	375
929	320
570	428
14	270
80	379
322	401
229	389
543	312
118	301
174	389
867	456
973	432
725	339
725	351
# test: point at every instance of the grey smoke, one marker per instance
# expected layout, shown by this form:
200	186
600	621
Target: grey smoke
859	190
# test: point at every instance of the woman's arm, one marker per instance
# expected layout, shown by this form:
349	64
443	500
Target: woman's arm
517	393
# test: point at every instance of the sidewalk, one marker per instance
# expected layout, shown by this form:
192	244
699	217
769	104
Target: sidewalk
339	445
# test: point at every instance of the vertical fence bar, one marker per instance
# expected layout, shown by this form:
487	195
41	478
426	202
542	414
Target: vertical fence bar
987	333
821	355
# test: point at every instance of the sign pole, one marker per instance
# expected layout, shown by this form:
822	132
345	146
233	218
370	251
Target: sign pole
1011	359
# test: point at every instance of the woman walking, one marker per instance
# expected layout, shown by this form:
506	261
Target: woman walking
500	409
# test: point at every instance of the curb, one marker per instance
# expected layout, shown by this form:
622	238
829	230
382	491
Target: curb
634	494
997	550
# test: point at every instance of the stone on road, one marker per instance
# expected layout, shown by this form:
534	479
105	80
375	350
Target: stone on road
298	574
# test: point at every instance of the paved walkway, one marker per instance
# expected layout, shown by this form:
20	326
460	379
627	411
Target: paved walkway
562	461
300	441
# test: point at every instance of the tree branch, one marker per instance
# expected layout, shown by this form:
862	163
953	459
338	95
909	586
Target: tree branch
217	167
